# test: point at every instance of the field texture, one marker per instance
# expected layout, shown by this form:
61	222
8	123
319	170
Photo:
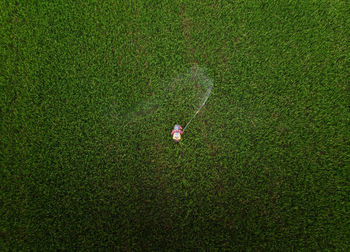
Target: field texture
264	165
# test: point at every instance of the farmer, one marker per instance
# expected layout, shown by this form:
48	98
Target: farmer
177	132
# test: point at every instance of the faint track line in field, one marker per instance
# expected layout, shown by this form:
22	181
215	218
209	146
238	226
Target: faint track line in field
164	195
186	28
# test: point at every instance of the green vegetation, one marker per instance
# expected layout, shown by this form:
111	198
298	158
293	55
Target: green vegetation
265	165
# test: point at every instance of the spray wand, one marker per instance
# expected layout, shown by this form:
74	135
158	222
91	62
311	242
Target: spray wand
178	131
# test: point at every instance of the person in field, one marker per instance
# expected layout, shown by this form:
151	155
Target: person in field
177	132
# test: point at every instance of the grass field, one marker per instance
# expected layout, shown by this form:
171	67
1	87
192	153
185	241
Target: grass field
264	166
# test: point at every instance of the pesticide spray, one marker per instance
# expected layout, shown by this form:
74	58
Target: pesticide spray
178	131
202	86
179	99
207	94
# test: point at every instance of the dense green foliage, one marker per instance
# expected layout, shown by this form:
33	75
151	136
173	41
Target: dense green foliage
265	165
